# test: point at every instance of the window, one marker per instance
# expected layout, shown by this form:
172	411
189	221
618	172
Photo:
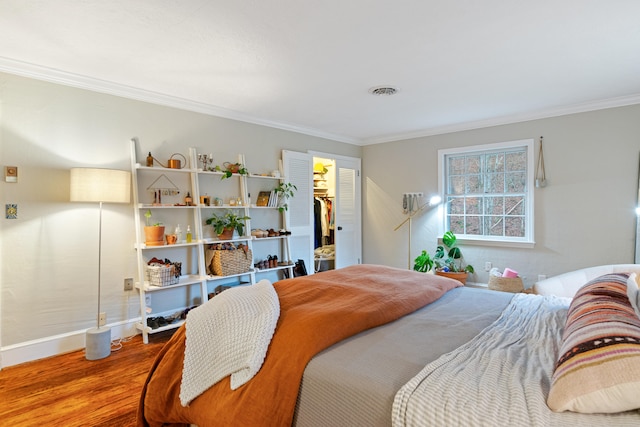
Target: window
487	191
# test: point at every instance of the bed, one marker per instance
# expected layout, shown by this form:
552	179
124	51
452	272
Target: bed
396	348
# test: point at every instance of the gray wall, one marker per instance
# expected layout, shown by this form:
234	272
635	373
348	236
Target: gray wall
49	254
585	216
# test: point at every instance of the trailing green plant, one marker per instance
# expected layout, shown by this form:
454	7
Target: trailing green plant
448	257
228	220
284	191
228	169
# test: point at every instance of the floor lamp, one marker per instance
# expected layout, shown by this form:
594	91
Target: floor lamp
101	186
434	201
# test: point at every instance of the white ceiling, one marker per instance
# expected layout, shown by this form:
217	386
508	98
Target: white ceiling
308	65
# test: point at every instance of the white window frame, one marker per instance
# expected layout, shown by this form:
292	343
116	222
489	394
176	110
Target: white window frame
528	239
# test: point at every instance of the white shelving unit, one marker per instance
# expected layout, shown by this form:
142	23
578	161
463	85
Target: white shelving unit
172	211
171	184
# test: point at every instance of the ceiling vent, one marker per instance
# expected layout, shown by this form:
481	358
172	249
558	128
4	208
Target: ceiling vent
383	90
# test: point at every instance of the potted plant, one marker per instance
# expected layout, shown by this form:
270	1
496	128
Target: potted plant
225	225
153	233
284	191
447	260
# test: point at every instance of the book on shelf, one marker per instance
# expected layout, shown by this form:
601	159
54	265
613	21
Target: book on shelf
263	198
273	201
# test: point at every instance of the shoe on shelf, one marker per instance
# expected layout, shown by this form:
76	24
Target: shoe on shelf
258	233
152	322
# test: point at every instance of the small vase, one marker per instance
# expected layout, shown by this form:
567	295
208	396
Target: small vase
154	235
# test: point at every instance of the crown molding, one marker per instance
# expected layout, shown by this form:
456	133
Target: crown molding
621	101
52	75
110	88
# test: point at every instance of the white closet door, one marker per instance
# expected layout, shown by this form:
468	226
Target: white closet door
298	170
348	213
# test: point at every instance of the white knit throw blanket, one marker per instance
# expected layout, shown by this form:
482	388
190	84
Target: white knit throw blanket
229	335
499	378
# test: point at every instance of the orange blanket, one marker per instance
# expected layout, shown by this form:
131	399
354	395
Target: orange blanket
315	312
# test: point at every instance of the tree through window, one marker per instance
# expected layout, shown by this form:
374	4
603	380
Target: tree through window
487	191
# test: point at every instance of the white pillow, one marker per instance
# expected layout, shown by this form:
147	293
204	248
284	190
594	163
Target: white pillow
633	293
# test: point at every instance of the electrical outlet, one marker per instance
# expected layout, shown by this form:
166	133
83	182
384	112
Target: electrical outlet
128	284
487	266
102	319
147	300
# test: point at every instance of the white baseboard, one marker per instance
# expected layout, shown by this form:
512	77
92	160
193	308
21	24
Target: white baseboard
58	344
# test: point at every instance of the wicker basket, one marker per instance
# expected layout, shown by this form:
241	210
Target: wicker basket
162	275
229	262
506	284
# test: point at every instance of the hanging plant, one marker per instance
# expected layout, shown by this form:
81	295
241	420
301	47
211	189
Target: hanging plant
228	169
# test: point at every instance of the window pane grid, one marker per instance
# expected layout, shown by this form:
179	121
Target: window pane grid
486	193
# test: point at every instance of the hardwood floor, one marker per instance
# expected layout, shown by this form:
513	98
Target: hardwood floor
72	391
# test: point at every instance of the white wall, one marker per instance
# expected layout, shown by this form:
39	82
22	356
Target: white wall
584	217
48	256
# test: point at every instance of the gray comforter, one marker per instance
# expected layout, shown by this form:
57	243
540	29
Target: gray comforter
354	382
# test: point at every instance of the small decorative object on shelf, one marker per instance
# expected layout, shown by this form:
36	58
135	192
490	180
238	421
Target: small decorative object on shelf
263	198
188	200
189	235
207	160
176	163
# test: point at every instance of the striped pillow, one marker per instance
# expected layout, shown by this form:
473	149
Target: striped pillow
598	370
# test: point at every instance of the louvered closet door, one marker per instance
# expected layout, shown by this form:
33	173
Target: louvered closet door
298	170
348	213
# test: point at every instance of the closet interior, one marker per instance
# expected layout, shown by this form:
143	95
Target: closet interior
324	192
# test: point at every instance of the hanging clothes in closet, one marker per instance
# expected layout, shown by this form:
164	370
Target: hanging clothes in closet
323	219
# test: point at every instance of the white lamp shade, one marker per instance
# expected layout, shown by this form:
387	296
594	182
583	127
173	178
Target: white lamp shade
100	185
